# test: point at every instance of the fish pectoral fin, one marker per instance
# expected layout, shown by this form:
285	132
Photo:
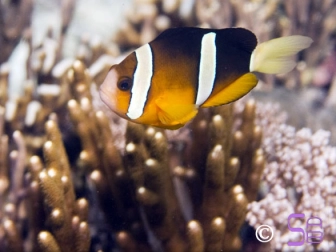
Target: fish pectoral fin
173	115
232	92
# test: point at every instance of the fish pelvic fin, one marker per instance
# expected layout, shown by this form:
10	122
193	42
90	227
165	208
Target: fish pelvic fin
232	92
174	116
276	56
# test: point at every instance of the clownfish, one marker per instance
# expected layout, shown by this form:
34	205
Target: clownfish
165	82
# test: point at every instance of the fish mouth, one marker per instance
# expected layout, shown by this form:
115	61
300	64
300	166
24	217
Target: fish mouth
105	97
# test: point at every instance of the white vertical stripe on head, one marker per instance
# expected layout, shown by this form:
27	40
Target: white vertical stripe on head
207	68
141	82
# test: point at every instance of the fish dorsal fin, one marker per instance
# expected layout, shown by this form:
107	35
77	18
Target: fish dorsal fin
172	32
172	115
232	92
238	37
241	37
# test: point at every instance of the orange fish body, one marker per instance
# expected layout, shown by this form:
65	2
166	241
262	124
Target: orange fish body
165	82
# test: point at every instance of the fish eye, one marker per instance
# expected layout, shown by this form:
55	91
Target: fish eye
125	84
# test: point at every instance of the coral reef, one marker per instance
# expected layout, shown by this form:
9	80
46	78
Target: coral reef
76	177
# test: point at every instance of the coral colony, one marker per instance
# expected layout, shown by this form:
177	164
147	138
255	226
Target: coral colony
76	177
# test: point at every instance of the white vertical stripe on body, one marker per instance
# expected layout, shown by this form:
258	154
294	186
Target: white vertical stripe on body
207	68
141	82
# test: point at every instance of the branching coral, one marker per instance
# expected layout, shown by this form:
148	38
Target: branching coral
40	206
66	218
219	198
299	177
144	176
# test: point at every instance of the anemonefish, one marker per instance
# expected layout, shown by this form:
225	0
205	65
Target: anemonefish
165	82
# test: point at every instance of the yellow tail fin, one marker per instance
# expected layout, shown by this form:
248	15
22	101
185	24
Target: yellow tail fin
275	56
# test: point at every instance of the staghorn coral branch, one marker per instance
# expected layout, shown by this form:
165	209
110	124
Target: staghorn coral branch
4	169
217	230
18	162
195	236
4	72
14	19
12	235
47	242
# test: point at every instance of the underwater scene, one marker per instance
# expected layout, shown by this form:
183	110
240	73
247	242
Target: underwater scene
167	125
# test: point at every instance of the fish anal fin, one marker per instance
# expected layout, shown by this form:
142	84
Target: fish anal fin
232	92
174	116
